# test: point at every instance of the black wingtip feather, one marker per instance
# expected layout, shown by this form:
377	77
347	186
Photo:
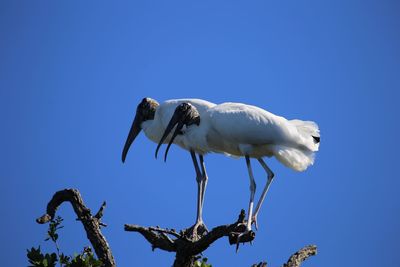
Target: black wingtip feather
316	139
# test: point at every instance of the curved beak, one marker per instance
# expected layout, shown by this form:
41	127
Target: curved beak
174	120
134	131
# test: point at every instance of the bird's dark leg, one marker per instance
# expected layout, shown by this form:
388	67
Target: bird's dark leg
194	231
204	179
199	187
265	191
248	232
252	193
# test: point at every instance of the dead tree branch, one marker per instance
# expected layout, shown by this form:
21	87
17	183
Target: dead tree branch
186	245
91	223
297	258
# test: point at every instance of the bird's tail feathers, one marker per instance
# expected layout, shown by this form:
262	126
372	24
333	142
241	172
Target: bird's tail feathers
310	132
294	158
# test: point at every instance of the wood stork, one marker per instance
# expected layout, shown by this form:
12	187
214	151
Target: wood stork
152	118
246	131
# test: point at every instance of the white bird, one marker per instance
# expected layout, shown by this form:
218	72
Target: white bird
152	118
247	131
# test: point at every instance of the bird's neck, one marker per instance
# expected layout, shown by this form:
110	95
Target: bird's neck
152	130
195	138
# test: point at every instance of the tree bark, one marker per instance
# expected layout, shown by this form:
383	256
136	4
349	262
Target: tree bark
187	247
91	223
297	258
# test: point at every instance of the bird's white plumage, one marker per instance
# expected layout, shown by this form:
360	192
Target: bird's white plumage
239	129
245	124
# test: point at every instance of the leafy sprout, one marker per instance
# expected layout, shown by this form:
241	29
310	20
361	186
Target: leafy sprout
39	259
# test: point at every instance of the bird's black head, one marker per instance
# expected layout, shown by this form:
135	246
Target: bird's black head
185	114
146	110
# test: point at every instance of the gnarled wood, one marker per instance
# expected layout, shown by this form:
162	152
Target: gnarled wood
187	246
91	223
297	258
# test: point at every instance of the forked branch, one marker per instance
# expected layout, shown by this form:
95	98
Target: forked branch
91	223
186	244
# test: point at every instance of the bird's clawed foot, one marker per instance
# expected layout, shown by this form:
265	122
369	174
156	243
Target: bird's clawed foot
242	232
197	231
241	235
244	237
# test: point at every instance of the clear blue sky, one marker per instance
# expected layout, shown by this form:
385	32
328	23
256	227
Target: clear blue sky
72	73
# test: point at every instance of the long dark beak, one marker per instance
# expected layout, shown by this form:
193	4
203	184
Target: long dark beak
134	131
174	120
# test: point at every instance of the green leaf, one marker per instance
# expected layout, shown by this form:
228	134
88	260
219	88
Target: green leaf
54	225
35	256
202	263
85	259
51	259
64	259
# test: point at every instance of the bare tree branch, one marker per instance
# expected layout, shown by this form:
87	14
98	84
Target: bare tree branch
90	223
154	237
165	231
188	246
297	258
